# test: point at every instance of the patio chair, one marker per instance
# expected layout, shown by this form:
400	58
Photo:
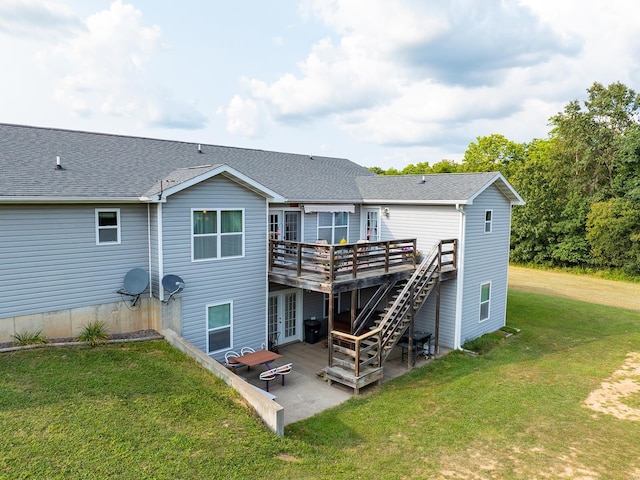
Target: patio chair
267	376
284	370
229	361
246	350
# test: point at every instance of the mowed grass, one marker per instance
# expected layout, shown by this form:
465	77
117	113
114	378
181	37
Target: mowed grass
146	411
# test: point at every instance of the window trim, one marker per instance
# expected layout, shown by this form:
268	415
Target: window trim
485	302
333	226
366	232
217	235
488	222
117	227
209	330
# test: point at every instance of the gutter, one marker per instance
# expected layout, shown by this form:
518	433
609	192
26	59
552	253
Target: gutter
50	200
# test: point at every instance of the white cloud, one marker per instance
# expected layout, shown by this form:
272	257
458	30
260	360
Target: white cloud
416	72
101	69
34	18
243	117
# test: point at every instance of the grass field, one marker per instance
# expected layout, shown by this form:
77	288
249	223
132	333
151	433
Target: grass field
523	410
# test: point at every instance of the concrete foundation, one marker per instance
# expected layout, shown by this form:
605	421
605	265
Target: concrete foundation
118	317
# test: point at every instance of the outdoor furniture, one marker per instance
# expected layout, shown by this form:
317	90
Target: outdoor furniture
256	358
267	376
231	360
245	350
284	370
272	373
421	344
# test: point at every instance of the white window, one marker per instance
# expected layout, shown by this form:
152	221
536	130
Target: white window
107	226
485	301
488	220
372	227
333	227
219	327
217	234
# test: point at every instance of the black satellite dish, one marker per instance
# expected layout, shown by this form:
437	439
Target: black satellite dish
172	284
136	281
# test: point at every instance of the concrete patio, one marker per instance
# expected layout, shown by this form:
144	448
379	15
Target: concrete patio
305	392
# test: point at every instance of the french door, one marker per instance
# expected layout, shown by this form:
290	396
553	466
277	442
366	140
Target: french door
285	311
285	225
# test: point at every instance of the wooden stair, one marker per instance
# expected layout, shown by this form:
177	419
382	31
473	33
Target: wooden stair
357	359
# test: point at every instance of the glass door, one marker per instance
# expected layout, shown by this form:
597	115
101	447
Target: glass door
285	225
284	316
371	224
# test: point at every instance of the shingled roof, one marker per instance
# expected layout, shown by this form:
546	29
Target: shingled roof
106	167
443	188
103	166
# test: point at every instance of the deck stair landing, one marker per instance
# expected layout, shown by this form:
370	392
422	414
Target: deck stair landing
357	359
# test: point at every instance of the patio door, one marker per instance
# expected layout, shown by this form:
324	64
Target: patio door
371	224
285	225
284	316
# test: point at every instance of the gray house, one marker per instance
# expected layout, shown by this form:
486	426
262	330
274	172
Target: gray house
268	246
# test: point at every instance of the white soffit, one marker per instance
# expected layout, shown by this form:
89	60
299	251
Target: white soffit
314	207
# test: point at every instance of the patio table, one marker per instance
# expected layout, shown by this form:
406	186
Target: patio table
256	358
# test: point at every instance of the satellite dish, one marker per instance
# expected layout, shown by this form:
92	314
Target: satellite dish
172	284
136	281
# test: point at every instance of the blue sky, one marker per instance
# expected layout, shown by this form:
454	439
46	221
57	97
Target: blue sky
381	82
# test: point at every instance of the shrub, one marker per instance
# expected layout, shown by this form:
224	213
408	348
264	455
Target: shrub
94	333
29	338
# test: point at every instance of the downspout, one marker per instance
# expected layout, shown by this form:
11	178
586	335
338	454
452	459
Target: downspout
459	277
149	247
160	253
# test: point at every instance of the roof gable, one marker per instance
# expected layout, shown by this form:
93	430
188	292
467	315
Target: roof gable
183	178
434	189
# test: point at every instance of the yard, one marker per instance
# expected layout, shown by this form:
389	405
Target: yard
543	404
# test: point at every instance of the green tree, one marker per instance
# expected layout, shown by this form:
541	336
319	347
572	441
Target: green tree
532	229
591	137
493	153
613	233
446	166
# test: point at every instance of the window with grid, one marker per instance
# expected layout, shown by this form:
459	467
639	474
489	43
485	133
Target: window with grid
333	227
217	234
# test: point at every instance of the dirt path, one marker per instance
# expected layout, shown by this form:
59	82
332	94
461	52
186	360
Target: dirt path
579	287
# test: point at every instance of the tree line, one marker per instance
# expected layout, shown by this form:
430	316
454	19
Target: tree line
581	183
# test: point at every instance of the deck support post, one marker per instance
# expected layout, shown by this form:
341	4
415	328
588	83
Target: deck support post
330	329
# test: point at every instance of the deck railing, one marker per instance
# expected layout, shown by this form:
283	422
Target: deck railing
341	261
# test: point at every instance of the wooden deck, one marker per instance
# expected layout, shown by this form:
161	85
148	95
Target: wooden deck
340	268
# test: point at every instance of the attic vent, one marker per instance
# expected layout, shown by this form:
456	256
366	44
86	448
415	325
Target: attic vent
58	164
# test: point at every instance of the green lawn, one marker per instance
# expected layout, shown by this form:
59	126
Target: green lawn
146	411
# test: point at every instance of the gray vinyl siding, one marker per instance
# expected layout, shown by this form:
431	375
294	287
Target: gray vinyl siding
429	225
50	260
242	281
486	260
425	320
